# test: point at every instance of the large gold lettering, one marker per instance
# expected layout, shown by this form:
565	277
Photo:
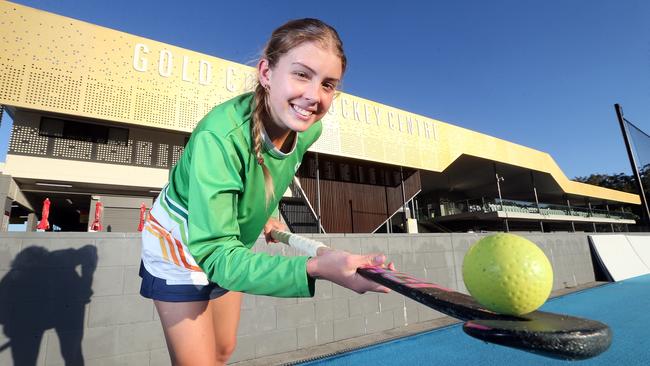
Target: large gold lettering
377	114
367	112
355	108
165	63
205	72
230	79
186	61
391	117
344	111
139	62
409	125
427	133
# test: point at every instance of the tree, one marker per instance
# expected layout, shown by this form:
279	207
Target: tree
619	181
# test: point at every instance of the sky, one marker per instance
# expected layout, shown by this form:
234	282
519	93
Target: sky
543	74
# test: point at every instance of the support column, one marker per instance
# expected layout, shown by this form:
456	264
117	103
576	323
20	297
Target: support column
573	226
388	222
591	213
401	177
410	225
351	215
499	180
539	211
32	221
318	212
6	212
610	224
5	201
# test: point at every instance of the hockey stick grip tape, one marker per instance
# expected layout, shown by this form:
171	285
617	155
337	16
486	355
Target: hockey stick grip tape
308	246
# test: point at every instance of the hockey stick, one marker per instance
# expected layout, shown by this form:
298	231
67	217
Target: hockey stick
548	334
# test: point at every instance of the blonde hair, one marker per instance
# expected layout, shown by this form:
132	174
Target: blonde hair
284	39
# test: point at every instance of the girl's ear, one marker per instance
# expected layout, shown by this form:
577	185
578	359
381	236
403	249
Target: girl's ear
264	73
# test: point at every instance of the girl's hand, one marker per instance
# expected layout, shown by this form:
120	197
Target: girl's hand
341	268
273	224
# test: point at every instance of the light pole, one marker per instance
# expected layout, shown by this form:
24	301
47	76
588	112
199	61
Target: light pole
499	180
401	177
635	167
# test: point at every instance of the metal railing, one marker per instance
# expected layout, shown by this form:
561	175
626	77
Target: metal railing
297	211
487	205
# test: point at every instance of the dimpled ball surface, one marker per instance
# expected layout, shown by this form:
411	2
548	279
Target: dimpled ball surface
507	274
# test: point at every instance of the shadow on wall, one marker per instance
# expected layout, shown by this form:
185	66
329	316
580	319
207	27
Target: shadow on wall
46	290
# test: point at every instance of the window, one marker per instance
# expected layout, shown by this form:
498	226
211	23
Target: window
54	127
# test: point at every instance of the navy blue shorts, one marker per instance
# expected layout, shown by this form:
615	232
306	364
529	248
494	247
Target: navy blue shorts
157	289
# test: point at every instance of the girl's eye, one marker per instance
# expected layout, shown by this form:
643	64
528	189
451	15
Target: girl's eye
329	86
301	74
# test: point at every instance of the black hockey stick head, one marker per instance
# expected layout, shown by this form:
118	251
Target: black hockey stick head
552	335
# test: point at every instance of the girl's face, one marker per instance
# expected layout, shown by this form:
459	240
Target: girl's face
301	86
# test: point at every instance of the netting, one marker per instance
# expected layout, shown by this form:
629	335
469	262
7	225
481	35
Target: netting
640	142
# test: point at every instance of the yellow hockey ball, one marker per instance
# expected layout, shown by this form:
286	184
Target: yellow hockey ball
507	274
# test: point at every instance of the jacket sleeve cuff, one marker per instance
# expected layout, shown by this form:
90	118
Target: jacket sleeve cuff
306	279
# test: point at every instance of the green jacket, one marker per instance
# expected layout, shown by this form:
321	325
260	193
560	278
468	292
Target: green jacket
220	185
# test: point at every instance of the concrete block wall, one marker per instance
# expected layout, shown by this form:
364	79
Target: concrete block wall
76	294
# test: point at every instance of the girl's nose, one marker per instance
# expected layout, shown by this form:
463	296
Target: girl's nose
312	92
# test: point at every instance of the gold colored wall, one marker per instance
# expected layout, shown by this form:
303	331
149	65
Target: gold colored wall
57	64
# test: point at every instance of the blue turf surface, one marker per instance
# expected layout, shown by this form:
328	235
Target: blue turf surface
624	306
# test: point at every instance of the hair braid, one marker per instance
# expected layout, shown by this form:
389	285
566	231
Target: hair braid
259	114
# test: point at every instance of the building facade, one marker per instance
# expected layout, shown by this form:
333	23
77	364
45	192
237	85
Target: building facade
101	115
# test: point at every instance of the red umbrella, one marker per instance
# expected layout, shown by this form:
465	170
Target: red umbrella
44	224
97	224
143	212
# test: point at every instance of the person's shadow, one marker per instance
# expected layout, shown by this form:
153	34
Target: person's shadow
46	290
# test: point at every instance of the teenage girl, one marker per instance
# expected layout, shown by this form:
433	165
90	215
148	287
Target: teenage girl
240	159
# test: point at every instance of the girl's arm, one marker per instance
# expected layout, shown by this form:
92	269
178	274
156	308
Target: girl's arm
340	267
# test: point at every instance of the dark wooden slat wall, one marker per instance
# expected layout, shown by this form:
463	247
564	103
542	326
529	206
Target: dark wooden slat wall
354	207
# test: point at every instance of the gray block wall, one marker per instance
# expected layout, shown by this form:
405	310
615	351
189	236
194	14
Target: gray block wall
77	294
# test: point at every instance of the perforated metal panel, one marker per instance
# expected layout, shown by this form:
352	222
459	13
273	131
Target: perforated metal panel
121	146
192	108
73	149
115	153
53	63
163	156
26	140
177	151
154	108
143	150
11	79
107	99
53	88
